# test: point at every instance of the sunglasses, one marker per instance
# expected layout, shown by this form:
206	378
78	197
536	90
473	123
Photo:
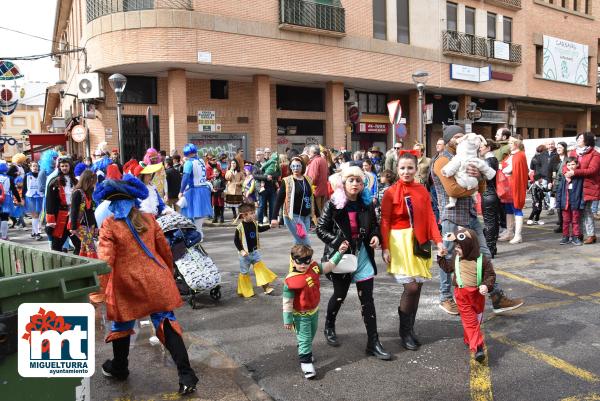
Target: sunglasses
302	261
397	147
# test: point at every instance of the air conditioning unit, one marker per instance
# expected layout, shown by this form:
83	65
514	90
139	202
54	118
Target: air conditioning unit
349	96
89	86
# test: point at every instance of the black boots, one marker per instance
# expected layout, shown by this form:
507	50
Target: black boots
412	329
479	354
406	329
215	214
375	348
330	335
118	366
174	343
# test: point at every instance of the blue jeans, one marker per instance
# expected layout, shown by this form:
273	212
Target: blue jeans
246	262
446	278
595	206
291	225
266	196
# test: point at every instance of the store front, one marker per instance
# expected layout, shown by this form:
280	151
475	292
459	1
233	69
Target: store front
369	131
298	134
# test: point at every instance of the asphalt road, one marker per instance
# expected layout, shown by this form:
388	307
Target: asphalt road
546	350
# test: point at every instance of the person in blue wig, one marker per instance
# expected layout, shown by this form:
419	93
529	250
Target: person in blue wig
195	188
141	280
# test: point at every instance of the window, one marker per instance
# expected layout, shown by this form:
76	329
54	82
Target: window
575	5
219	89
379	16
372	103
451	17
403	21
470	20
300	98
140	90
507	23
539	60
491	25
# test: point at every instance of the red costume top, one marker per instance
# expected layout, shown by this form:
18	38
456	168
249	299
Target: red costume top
306	287
518	178
137	286
395	216
57	209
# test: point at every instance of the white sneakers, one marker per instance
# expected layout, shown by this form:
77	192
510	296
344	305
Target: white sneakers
309	370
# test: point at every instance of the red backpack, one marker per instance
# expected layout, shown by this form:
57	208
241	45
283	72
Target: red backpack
2	194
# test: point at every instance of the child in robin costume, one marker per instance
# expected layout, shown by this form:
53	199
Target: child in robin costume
247	242
473	278
301	296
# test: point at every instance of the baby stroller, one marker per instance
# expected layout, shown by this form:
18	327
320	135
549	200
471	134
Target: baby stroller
195	271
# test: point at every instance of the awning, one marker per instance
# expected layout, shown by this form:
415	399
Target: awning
39	142
374	118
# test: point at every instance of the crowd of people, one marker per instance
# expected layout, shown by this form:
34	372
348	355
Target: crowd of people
356	203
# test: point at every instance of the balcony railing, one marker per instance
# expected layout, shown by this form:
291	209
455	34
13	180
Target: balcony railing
511	4
312	15
471	46
99	8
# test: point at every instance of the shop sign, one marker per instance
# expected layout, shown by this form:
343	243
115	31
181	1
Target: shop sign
78	133
501	50
207	121
373	128
565	61
204	57
472	74
493	116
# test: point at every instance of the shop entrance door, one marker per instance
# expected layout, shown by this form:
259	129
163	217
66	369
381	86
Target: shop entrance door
136	136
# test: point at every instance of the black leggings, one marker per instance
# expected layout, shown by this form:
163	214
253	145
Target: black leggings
409	301
3	216
341	284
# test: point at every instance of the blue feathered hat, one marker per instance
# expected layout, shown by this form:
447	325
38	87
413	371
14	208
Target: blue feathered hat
79	169
128	188
189	149
3	167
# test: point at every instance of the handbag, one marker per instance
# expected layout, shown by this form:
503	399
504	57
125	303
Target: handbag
300	230
503	187
419	250
348	263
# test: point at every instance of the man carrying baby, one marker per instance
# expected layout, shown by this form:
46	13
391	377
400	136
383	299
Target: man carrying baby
463	215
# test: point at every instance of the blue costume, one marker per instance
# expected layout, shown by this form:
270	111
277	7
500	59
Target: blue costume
34	192
6	207
194	187
100	166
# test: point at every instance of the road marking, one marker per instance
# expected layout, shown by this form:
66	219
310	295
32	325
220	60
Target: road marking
533	308
481	382
587	397
535	283
549	359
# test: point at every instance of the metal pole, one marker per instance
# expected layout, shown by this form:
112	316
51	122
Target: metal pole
88	139
420	115
120	127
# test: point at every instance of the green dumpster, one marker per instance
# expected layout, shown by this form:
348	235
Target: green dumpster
33	275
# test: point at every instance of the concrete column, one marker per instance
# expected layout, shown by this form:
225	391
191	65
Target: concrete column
335	125
391	20
263	135
499	27
177	106
481	23
584	120
460	17
463	104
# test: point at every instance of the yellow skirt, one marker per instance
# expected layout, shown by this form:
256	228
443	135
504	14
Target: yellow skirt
404	262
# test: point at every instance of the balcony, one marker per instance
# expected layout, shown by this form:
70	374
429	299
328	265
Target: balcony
99	8
510	4
476	47
312	16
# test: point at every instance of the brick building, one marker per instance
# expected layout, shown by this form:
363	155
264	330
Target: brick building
284	73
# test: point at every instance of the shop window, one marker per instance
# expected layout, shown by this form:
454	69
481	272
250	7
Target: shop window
541	132
491	25
291	127
379	20
219	89
451	16
403	21
507	23
470	20
372	103
140	90
300	98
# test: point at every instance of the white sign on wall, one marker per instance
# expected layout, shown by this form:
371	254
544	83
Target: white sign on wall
501	50
565	61
207	121
472	74
204	57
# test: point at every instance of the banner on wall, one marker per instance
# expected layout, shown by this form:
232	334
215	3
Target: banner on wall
565	61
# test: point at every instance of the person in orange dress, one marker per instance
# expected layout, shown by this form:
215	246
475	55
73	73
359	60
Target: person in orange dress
514	166
141	282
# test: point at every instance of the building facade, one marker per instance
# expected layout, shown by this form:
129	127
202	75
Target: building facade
286	73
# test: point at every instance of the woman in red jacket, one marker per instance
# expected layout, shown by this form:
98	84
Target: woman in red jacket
589	169
406	217
514	166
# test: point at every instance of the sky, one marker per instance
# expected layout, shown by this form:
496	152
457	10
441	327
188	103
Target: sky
34	17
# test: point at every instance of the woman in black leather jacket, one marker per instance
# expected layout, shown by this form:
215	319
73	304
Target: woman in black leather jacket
490	201
350	215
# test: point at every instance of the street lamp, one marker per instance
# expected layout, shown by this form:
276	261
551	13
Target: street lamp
62	89
453	109
420	79
117	83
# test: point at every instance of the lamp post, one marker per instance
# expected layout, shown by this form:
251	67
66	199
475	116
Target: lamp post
117	83
420	79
